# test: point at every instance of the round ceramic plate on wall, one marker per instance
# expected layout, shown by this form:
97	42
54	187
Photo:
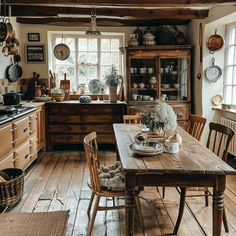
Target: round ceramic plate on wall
61	51
217	99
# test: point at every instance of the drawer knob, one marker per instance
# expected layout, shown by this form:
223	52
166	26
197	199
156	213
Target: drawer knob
26	155
25	129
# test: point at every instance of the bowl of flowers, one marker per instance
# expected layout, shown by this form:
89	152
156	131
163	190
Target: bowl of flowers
159	118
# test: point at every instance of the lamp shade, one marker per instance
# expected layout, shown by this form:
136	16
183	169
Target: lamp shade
93	30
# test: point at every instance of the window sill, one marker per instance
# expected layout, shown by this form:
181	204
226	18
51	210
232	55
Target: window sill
232	111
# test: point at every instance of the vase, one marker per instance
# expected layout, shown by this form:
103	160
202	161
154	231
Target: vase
113	94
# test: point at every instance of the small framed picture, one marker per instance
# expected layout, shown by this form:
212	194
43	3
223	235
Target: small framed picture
34	53
33	37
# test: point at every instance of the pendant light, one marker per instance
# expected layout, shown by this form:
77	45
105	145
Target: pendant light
93	30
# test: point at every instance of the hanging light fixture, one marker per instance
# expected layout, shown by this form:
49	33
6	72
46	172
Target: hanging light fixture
93	30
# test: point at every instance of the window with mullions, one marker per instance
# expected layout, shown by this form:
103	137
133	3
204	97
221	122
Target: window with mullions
90	58
230	66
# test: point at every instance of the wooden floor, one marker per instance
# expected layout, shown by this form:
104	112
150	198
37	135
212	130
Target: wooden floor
59	181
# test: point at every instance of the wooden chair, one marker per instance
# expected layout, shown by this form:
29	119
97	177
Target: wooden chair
91	153
132	119
218	142
195	126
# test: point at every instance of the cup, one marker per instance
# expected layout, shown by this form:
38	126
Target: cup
150	70
171	147
135	85
134	96
139	97
131	70
142	70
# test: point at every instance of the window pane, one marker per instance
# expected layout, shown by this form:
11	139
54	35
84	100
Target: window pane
105	58
70	42
229	75
231	35
92	72
115	58
230	55
104	71
92	58
227	94
82	44
83	57
105	45
115	44
93	45
83	71
234	95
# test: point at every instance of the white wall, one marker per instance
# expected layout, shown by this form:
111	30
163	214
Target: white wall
205	89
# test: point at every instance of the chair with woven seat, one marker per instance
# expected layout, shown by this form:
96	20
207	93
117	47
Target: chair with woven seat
94	183
218	142
195	127
132	119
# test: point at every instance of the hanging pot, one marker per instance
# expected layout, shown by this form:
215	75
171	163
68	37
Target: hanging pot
12	73
3	31
14	46
215	43
9	29
213	73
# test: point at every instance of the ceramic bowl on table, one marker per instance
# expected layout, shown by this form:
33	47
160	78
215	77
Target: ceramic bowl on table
165	85
58	96
176	85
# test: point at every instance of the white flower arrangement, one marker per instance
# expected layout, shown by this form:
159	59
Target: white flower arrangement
161	117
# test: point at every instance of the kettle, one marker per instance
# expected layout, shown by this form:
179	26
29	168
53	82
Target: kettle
133	41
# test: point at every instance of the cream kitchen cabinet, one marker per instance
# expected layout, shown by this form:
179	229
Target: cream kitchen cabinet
19	142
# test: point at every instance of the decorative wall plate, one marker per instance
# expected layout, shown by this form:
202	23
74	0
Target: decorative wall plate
93	86
213	73
61	51
217	99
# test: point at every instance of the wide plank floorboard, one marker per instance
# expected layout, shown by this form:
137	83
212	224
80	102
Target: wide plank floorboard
58	181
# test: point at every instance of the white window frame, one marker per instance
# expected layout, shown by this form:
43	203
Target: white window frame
227	66
76	36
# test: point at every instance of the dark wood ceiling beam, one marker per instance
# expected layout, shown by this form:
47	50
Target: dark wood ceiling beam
101	22
134	3
119	13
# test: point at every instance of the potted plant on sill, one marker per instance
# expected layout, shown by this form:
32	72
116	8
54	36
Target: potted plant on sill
112	80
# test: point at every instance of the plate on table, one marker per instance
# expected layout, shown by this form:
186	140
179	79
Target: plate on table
147	148
93	86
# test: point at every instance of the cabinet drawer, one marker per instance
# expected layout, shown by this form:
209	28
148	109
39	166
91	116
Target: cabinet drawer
86	118
6	138
7	162
78	138
87	109
33	148
80	128
182	111
22	156
32	123
20	131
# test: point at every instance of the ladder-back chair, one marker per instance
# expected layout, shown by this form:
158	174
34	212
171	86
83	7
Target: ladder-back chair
91	153
218	142
132	119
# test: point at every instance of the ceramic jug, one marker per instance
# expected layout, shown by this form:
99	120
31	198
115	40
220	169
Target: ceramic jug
133	41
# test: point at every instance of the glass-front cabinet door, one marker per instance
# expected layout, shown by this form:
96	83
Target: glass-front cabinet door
143	82
174	76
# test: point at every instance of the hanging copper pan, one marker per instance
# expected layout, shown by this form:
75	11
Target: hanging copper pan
9	29
215	43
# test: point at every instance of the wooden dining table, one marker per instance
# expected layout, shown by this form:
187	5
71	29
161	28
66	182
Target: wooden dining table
193	165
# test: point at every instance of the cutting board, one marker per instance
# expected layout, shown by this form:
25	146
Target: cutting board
65	86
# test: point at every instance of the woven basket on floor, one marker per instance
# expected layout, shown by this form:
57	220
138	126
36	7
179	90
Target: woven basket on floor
11	191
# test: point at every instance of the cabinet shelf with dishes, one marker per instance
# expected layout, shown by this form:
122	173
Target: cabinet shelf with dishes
159	72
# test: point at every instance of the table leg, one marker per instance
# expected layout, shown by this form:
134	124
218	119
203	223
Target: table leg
218	204
129	203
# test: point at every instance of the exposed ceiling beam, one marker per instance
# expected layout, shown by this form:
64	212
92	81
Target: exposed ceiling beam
123	3
109	12
100	22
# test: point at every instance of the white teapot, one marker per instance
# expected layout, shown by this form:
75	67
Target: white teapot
152	80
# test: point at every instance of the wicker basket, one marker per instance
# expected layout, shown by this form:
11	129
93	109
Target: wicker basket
11	191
